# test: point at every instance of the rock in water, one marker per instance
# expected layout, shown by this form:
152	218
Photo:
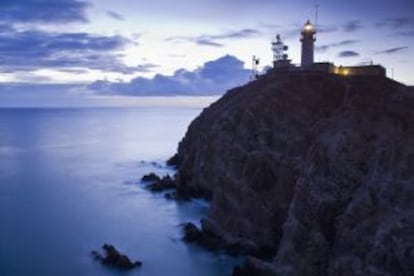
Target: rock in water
318	166
191	232
151	177
158	184
165	183
114	258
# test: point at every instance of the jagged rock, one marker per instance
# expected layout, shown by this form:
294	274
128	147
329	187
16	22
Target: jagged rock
191	232
113	258
212	241
194	235
158	184
161	184
151	177
317	167
174	161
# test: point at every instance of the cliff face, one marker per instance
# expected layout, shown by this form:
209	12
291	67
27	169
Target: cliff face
315	168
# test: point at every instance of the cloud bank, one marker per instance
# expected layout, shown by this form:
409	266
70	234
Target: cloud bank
43	11
30	50
213	78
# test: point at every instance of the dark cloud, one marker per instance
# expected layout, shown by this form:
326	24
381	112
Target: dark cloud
348	54
322	29
115	15
323	48
352	26
391	51
45	11
214	77
245	33
205	42
32	49
73	71
214	39
396	22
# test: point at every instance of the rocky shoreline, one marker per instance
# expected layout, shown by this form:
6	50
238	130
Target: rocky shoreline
307	174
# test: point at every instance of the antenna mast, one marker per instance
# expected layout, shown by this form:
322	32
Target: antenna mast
316	15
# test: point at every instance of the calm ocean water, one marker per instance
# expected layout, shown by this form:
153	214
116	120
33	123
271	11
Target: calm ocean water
69	182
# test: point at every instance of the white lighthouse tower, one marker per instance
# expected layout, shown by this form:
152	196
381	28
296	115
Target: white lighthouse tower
308	39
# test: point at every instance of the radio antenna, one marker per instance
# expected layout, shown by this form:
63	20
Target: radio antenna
316	15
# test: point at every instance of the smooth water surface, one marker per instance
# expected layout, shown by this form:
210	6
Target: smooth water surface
69	182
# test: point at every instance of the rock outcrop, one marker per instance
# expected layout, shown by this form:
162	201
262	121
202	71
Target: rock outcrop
114	258
158	184
316	168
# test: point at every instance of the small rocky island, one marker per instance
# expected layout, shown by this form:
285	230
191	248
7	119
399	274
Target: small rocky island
308	173
114	258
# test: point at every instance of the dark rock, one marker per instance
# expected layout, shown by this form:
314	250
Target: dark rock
162	184
208	241
213	242
114	258
96	255
255	267
238	271
317	167
175	196
191	232
173	161
171	196
151	177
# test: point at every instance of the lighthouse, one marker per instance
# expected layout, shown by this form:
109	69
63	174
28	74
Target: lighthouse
308	40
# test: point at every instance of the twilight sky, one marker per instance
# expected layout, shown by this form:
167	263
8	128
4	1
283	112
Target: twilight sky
54	52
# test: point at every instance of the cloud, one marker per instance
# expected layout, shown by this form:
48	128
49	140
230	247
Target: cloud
391	51
244	33
294	31
213	78
115	15
323	48
213	39
32	49
44	11
404	33
396	22
206	42
352	26
348	54
322	29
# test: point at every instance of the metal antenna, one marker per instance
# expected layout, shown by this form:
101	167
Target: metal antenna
316	15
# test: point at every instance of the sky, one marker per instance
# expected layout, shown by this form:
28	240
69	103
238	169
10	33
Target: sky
69	52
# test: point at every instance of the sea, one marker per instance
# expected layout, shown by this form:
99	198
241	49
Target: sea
70	182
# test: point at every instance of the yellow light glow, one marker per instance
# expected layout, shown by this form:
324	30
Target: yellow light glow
345	72
308	27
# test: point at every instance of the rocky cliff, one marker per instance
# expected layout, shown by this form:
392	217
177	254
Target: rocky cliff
314	169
